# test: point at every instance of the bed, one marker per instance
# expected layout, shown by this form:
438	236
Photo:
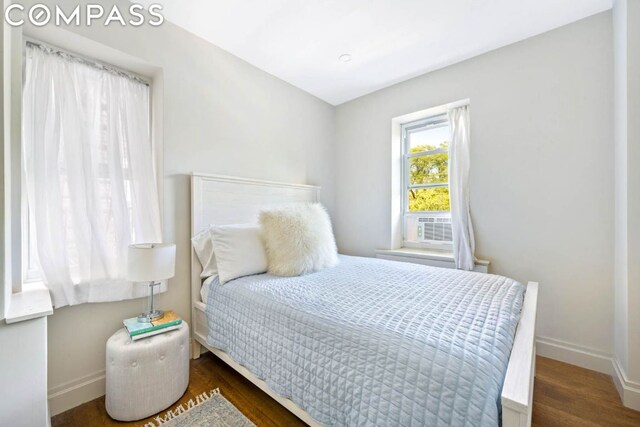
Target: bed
451	348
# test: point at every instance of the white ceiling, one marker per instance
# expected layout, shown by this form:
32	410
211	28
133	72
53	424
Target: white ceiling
390	41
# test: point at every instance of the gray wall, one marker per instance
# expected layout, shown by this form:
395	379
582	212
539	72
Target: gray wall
541	170
222	116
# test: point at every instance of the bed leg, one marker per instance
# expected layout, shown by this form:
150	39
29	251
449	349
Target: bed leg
195	349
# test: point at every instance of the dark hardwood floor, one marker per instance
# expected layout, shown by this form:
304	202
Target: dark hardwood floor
565	395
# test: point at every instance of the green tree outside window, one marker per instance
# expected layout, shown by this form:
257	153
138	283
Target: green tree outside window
429	169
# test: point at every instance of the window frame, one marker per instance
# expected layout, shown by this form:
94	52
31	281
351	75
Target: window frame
433	121
30	269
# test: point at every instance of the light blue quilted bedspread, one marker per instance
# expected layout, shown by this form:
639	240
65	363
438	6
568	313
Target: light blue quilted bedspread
373	342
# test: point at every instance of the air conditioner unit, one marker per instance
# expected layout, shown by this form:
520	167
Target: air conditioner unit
434	229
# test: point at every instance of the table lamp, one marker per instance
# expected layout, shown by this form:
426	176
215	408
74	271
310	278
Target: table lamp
151	262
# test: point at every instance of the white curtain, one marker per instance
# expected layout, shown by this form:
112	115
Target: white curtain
459	160
90	174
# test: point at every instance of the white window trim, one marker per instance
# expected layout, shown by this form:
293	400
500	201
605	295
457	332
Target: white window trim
406	155
31	300
27	302
396	235
406	129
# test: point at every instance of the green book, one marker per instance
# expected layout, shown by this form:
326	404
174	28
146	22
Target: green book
134	327
156	332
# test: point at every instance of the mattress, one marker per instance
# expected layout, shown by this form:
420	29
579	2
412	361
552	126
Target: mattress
374	342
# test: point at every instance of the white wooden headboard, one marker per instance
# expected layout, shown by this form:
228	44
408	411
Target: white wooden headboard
221	200
217	199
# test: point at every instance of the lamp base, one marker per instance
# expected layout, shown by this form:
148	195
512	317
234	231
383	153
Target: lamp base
152	315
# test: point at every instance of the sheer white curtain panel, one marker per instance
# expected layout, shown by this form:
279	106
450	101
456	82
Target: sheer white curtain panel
90	174
459	164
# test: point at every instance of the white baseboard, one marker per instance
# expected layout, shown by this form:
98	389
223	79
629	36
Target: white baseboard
73	393
575	355
629	390
81	390
587	358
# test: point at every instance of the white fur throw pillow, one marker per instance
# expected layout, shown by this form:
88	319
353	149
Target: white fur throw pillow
298	239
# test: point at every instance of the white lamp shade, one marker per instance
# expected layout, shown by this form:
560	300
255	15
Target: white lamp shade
149	262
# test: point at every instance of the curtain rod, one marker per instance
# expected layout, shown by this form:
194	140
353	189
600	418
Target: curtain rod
86	61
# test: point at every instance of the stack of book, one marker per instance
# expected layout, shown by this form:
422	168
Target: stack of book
138	330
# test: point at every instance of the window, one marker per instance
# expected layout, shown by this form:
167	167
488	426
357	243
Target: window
427	217
31	266
89	173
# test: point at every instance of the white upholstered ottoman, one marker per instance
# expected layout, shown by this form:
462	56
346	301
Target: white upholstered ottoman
147	376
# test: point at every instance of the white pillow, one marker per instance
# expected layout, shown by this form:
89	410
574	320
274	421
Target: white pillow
203	246
298	239
239	251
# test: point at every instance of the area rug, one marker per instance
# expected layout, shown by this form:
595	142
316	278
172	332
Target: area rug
208	410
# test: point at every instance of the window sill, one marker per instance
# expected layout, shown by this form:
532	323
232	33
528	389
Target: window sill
33	302
431	257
